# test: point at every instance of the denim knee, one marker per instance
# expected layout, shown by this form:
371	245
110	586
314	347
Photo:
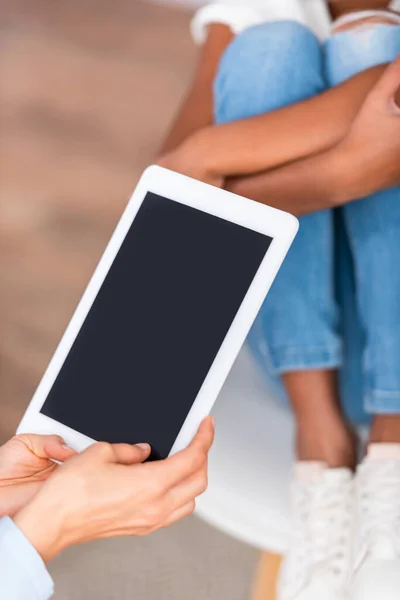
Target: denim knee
350	52
267	67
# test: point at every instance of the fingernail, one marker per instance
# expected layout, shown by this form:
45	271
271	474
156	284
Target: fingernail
66	447
212	419
144	446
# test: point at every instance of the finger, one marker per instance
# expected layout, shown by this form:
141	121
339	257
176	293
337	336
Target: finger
58	450
124	454
181	513
388	86
46	446
127	454
179	467
189	489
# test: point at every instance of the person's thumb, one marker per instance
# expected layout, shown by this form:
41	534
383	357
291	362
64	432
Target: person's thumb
45	446
126	454
387	90
204	437
123	454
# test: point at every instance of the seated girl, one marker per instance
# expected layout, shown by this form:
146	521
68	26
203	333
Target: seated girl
277	112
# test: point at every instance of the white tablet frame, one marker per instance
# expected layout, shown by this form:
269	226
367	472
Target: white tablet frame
280	226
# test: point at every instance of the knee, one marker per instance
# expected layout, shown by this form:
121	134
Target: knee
282	35
274	63
281	42
359	44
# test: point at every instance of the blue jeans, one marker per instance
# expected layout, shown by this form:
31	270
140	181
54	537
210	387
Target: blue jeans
336	301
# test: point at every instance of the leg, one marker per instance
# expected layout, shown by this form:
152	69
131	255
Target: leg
359	48
265	68
323	434
296	333
300	325
374	230
373	226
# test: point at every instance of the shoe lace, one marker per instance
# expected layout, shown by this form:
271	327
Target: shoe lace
379	501
323	521
294	573
330	528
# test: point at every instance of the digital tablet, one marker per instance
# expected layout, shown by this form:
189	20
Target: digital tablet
163	317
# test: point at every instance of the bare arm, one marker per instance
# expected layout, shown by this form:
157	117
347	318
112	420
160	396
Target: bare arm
276	138
365	161
266	141
309	185
197	109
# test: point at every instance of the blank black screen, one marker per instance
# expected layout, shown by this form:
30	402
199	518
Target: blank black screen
156	325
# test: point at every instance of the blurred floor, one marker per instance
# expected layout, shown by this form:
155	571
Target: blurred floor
86	91
87	88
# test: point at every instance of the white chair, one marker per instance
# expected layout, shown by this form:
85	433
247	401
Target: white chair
250	469
250	464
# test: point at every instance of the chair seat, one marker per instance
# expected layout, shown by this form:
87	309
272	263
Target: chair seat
251	461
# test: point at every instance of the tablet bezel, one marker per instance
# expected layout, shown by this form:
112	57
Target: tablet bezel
280	226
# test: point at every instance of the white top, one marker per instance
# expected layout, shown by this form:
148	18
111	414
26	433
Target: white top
240	14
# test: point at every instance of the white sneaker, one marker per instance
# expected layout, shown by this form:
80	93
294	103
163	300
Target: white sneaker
376	573
317	565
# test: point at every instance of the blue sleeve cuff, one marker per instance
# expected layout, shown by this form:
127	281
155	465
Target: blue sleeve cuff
23	574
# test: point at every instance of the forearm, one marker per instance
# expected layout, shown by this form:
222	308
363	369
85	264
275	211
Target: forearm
285	135
324	181
196	110
365	161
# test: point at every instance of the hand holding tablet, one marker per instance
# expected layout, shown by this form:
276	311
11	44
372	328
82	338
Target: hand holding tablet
163	317
106	491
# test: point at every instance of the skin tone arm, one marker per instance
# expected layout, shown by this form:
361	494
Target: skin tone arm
300	130
196	111
272	139
365	161
313	184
